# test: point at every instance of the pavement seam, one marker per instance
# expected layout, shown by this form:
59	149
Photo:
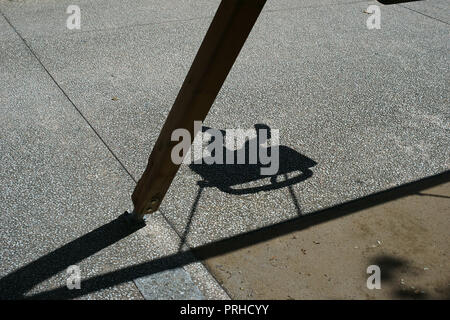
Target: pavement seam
185	245
428	16
131	26
186	249
68	98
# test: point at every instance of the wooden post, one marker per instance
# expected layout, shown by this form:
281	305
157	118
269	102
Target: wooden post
226	35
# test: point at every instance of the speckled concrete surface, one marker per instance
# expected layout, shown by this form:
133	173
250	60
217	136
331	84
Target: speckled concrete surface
58	180
167	252
370	107
160	286
62	192
37	18
437	9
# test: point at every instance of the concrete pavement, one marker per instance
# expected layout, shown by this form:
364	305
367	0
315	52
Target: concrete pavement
81	110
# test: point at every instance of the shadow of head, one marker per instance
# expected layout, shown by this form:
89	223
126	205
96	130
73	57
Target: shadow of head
256	164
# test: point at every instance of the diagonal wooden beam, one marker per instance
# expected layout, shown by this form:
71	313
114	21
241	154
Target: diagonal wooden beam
226	35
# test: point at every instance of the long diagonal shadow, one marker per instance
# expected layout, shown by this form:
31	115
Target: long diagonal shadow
16	284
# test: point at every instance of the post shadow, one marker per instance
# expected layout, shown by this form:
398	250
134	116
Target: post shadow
17	283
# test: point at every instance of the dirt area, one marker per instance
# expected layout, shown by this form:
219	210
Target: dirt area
408	238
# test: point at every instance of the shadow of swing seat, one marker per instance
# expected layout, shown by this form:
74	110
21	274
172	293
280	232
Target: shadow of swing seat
247	178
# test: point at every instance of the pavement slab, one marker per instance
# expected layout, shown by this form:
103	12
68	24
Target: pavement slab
63	194
366	107
38	18
369	108
436	9
53	189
